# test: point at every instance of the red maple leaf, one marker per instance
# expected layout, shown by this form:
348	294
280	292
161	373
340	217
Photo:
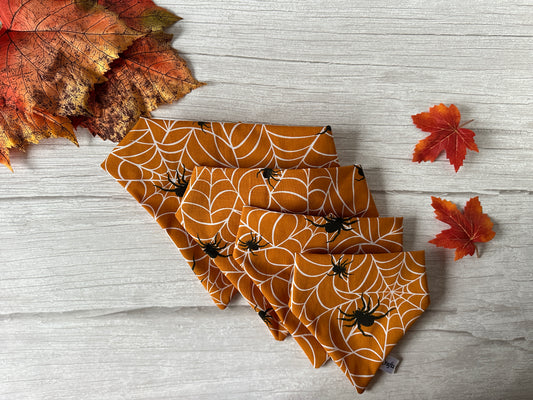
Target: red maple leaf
446	135
466	228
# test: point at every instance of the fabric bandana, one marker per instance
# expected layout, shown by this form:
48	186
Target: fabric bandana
359	306
267	211
280	236
154	162
211	208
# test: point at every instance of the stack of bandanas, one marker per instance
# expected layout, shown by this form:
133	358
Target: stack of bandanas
267	211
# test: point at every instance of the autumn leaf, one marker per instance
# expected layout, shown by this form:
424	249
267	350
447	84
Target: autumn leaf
149	73
446	135
52	53
56	58
29	127
467	228
141	15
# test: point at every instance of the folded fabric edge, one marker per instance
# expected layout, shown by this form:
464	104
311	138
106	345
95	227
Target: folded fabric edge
299	257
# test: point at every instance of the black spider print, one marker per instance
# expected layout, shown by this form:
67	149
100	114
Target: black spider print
268	174
180	184
212	249
203	125
263	314
360	172
327	129
194	266
253	244
339	268
363	316
335	224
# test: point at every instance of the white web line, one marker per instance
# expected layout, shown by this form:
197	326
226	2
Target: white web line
309	287
293	228
163	146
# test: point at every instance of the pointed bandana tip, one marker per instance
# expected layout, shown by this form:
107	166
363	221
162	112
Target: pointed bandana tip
466	228
446	135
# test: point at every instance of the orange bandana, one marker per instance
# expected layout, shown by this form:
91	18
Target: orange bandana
268	242
154	161
210	211
359	306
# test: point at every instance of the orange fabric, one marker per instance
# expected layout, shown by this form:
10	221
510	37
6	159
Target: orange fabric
154	161
359	306
210	211
281	236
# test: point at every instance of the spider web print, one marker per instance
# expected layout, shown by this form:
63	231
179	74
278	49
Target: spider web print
397	281
162	151
211	208
285	235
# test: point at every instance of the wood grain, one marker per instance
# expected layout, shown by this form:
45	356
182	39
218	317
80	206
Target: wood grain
96	303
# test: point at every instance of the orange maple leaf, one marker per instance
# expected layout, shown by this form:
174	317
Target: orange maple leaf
141	15
29	127
56	59
466	228
446	135
52	54
149	73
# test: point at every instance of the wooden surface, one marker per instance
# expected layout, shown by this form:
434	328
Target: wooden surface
96	303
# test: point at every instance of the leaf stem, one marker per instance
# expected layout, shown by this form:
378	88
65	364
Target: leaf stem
465	123
477	251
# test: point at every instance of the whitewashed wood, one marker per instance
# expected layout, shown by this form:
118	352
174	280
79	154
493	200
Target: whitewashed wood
90	310
205	354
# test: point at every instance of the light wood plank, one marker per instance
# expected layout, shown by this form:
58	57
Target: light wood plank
88	310
201	353
81	255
